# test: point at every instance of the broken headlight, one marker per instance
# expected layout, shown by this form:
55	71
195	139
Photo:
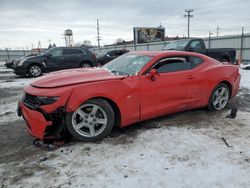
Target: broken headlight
47	100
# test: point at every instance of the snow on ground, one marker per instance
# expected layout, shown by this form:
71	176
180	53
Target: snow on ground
164	157
11	87
9	80
181	150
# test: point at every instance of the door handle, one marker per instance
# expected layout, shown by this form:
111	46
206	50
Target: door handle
190	77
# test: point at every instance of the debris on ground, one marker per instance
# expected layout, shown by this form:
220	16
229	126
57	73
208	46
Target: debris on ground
233	113
48	145
224	140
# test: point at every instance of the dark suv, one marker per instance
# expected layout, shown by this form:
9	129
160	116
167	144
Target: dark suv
55	59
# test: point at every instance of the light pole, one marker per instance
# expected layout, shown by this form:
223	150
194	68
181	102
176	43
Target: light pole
98	34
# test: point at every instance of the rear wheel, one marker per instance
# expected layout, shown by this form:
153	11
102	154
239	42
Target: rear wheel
34	71
219	97
91	121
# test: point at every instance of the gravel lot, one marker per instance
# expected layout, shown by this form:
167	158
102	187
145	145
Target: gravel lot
179	150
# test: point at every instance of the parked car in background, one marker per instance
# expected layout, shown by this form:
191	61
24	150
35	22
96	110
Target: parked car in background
55	59
134	87
105	57
9	63
20	59
198	45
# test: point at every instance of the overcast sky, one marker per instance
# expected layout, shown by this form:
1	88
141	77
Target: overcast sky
23	23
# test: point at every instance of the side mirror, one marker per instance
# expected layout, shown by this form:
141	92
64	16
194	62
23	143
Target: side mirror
152	74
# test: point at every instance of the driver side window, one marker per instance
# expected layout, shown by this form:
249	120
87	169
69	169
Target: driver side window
172	65
56	53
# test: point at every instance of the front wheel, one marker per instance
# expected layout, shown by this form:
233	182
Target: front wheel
219	97
34	71
91	121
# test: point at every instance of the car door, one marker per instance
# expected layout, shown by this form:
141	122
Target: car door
72	57
170	91
54	60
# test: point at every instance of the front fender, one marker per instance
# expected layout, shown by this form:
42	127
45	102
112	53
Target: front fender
122	92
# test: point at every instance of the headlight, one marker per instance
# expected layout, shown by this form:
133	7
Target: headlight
20	62
47	100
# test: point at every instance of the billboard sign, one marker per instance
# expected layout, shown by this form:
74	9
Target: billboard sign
148	34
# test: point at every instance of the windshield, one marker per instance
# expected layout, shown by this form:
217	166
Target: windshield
46	51
177	45
127	64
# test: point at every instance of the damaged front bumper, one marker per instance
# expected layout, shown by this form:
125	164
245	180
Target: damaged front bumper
36	122
44	116
40	124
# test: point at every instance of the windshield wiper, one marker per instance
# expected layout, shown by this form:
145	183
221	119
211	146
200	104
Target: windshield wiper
170	48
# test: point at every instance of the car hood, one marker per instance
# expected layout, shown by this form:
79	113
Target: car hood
34	58
74	76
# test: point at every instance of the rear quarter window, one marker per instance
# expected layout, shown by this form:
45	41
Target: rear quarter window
195	61
71	51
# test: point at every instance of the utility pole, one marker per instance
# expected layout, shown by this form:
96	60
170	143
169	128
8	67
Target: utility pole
217	30
189	15
98	34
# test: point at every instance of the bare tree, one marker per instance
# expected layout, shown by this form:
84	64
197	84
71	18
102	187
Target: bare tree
78	44
119	41
87	43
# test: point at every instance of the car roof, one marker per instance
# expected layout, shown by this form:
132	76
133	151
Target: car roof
116	50
67	47
166	53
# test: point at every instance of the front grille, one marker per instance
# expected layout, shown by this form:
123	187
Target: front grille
31	101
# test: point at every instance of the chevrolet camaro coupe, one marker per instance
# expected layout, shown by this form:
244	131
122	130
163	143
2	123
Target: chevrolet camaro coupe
87	103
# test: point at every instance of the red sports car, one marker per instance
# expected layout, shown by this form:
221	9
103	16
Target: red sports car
88	103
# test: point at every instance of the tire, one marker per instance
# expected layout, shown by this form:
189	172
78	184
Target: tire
35	71
85	65
219	97
83	123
